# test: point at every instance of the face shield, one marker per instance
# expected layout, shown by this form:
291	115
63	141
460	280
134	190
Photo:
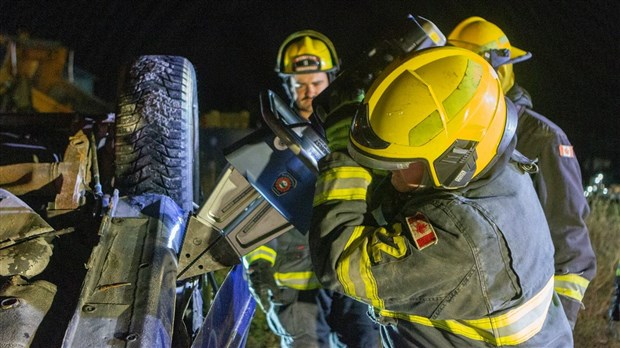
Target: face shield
362	134
448	175
413	178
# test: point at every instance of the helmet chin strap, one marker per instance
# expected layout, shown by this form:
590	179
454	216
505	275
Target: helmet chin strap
512	118
286	85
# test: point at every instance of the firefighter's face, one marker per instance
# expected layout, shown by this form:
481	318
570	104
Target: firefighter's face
306	87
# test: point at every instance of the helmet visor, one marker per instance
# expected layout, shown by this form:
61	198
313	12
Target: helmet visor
362	136
415	177
361	131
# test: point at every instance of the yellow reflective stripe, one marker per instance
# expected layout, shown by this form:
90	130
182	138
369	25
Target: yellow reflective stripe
511	328
261	253
343	265
342	183
344	173
343	270
343	194
397	249
571	285
370	284
618	270
297	280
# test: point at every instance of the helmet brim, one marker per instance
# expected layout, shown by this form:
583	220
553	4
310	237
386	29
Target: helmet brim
517	52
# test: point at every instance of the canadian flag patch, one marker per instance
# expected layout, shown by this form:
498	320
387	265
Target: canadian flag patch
421	230
566	151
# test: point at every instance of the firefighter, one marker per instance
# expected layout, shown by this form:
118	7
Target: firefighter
558	181
280	274
307	62
458	252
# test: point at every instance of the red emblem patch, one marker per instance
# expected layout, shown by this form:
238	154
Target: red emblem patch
566	151
421	230
284	183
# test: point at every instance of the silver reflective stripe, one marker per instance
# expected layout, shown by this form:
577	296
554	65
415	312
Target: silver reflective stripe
342	183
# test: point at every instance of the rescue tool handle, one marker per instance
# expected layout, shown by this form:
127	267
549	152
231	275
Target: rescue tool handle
415	34
298	134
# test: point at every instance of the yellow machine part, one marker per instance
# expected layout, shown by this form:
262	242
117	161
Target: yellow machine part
33	71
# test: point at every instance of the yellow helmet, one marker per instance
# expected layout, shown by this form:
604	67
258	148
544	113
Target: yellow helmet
444	107
481	36
307	51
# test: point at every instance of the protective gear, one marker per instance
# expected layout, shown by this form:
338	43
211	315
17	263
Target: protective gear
416	33
463	291
558	182
304	314
338	135
338	121
559	187
262	283
307	51
442	106
488	40
301	312
323	318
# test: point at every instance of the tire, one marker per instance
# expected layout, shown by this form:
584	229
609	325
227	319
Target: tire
156	131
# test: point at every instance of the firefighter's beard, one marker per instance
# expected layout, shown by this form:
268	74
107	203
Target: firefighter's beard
305	106
410	179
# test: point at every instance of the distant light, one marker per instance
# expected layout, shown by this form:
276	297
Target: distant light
599	178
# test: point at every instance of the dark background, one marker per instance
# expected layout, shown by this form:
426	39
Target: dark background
573	75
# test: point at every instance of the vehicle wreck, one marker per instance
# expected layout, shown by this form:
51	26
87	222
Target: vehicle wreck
105	237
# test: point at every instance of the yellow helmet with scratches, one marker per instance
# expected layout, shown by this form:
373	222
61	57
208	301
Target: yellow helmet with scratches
443	106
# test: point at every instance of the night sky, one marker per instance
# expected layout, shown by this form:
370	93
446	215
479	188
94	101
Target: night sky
572	77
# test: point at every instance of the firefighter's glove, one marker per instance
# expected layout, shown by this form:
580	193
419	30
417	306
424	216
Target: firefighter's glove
262	283
338	121
338	135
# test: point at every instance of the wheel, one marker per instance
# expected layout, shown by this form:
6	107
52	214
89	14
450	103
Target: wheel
156	131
